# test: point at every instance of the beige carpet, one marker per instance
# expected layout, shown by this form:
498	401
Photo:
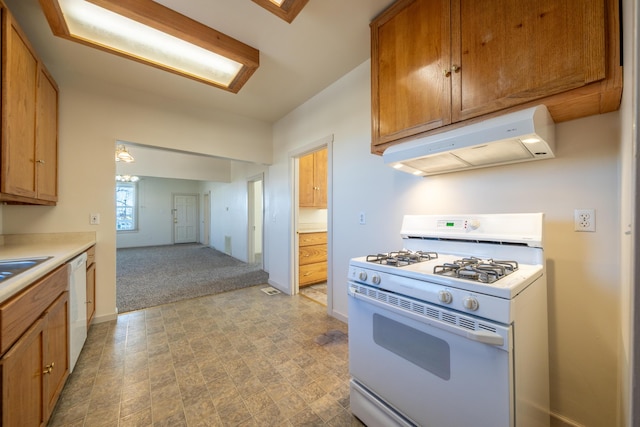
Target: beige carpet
156	275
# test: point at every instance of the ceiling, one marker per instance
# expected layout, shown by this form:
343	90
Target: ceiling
326	40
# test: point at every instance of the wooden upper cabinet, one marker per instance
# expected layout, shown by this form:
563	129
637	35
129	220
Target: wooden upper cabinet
19	83
438	63
312	188
520	50
410	49
29	141
47	137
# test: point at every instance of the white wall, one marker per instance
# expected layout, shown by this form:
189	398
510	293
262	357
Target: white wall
155	219
229	209
583	271
90	124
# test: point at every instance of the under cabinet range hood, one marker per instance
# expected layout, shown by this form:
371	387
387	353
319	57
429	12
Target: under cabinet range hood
521	136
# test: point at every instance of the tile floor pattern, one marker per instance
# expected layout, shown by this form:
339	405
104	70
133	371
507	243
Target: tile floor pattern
242	358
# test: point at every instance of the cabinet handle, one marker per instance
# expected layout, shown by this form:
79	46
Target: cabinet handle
307	274
454	68
48	368
89	302
40	161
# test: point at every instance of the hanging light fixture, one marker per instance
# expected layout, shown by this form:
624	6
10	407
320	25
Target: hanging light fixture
122	155
127	178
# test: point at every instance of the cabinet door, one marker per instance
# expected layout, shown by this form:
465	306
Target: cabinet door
47	137
91	293
56	360
305	187
22	379
320	178
410	52
19	111
516	51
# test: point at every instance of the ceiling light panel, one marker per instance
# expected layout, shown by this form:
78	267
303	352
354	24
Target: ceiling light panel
148	32
285	9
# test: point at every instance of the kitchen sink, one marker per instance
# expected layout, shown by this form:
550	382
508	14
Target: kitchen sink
12	267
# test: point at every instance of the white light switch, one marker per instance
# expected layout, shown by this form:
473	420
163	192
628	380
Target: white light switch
94	219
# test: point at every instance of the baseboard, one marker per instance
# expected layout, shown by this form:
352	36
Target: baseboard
340	316
279	287
558	420
105	318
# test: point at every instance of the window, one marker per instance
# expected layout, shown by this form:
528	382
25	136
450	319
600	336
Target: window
126	206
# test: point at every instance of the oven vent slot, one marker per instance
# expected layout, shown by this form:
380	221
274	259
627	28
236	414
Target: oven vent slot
432	312
467	324
486	327
418	308
449	318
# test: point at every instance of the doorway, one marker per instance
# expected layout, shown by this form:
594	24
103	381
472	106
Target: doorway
185	218
312	222
255	215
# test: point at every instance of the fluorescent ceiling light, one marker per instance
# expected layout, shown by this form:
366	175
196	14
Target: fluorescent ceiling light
153	34
285	9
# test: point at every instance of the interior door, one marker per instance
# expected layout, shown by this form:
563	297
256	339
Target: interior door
185	218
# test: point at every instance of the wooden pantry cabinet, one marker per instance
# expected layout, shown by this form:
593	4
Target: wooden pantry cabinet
29	137
312	188
34	343
312	258
440	63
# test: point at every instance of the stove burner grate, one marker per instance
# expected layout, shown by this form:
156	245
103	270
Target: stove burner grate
476	269
402	258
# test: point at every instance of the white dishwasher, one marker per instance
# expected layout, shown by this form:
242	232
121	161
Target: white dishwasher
77	307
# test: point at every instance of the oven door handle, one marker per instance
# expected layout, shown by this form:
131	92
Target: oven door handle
485	337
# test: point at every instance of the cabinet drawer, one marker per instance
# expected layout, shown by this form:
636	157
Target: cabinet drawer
307	239
312	273
19	313
312	254
91	255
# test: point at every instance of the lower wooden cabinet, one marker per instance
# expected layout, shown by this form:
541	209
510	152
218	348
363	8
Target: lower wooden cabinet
312	258
34	369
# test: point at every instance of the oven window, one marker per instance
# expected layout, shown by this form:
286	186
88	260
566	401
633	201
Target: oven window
424	350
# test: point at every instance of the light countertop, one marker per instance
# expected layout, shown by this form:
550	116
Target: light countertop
312	227
62	247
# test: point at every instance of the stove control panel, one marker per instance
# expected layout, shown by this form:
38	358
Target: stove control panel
458	224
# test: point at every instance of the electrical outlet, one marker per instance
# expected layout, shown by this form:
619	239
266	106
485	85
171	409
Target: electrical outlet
584	220
362	218
94	219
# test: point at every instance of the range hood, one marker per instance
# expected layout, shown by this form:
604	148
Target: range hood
521	136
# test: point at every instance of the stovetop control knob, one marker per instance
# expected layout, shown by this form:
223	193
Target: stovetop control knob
471	303
375	279
445	297
362	276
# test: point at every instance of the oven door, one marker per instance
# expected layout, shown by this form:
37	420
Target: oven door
414	359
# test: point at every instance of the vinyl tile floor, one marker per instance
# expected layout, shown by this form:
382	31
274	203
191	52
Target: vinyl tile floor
241	358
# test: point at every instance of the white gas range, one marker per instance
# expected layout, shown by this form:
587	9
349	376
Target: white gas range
452	329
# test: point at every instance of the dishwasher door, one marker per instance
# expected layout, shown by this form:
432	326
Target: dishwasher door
77	307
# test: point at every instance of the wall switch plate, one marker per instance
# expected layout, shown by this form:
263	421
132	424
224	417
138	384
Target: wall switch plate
94	219
584	220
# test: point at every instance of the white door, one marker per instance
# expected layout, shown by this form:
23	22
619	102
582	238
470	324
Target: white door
185	218
255	216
